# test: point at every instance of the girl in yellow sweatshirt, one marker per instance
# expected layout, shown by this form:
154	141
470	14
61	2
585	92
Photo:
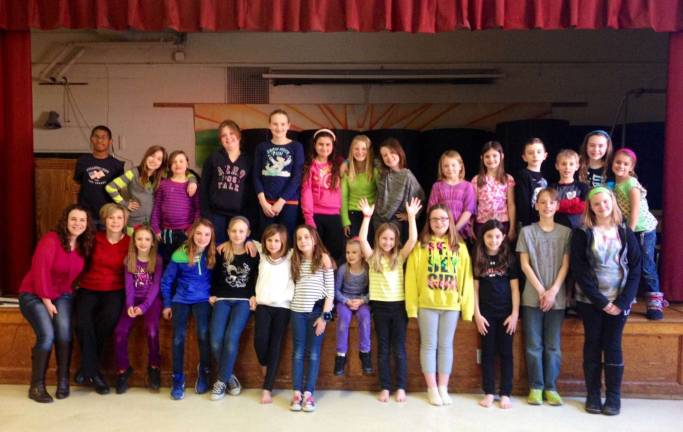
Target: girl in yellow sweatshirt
439	289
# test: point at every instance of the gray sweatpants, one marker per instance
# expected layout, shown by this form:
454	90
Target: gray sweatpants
437	328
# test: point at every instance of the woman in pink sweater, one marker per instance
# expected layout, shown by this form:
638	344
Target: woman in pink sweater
321	192
46	296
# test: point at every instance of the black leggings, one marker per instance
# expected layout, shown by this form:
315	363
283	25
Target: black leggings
269	330
332	234
496	341
391	324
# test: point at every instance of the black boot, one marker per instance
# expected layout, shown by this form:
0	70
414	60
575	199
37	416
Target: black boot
613	377
63	365
339	364
122	380
100	385
366	362
154	375
39	362
592	373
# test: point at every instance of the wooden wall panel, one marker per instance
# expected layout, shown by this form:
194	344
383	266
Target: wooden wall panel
55	189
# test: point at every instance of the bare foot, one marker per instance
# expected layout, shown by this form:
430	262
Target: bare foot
266	397
487	401
401	395
383	396
505	402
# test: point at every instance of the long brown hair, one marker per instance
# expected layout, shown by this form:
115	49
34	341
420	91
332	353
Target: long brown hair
452	233
155	178
332	159
298	257
191	247
500	176
85	241
393	145
481	261
270	231
132	257
367	167
172	157
375	260
584	160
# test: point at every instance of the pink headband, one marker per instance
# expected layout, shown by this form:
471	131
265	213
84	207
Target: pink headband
629	152
319	131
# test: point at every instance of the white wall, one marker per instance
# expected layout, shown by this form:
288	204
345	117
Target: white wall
124	81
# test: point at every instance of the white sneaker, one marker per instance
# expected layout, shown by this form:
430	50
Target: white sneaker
309	402
234	386
218	391
445	397
295	404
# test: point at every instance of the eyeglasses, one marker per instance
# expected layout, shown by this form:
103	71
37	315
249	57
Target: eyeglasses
439	219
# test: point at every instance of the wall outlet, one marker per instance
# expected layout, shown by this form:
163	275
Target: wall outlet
478	356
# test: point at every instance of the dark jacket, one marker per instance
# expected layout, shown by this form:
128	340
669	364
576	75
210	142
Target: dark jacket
583	267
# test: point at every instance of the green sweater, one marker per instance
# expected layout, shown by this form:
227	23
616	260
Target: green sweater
353	191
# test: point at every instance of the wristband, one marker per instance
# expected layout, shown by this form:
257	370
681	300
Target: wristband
326	316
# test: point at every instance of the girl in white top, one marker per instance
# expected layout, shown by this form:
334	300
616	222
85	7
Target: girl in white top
274	293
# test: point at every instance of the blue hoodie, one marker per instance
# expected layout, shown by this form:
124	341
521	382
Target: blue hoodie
192	283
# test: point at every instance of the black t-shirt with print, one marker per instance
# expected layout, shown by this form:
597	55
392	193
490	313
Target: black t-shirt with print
495	295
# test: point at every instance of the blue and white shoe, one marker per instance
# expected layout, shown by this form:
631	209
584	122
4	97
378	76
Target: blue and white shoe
201	386
178	387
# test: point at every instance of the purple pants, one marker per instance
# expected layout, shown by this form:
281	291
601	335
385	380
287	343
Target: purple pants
124	327
344	314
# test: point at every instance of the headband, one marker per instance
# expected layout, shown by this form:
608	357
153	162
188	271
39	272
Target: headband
599	132
598	189
319	131
629	152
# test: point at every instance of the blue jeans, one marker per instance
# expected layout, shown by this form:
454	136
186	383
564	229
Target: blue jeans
181	313
48	330
542	340
649	279
305	345
228	319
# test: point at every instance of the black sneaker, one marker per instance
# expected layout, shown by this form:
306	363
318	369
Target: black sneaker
366	363
79	378
122	380
339	364
154	377
100	385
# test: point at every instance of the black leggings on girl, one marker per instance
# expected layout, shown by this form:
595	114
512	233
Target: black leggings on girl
269	330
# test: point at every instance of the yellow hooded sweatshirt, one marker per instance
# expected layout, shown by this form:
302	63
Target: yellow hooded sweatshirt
438	278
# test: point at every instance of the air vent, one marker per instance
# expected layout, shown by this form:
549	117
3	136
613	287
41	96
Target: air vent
384	76
247	86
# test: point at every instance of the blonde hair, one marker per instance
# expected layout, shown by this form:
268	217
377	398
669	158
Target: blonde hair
589	218
567	154
452	154
355	242
451	233
228	251
191	247
368	167
375	260
111	208
132	258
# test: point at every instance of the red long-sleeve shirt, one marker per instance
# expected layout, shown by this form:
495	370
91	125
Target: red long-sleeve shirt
105	272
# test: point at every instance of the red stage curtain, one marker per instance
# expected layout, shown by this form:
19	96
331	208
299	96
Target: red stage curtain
422	16
672	249
16	154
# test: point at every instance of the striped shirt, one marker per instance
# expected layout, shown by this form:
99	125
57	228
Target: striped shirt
173	208
387	285
312	287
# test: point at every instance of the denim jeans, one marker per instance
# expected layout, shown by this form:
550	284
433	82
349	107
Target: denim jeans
306	346
181	313
542	332
391	323
48	330
228	319
649	279
344	316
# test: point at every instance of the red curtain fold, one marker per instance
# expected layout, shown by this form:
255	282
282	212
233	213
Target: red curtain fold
672	247
419	16
16	152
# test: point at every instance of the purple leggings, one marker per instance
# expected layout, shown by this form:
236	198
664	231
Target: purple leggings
125	325
364	321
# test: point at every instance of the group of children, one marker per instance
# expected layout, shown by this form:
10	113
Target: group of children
214	269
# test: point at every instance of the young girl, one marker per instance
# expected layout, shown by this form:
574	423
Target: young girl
495	190
135	188
496	310
143	271
174	208
387	294
438	291
321	192
313	275
455	193
277	174
594	156
396	186
233	286
544	259
189	272
632	199
46	296
606	266
351	295
226	180
359	181
274	291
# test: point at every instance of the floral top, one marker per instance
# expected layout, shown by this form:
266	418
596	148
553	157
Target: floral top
492	199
